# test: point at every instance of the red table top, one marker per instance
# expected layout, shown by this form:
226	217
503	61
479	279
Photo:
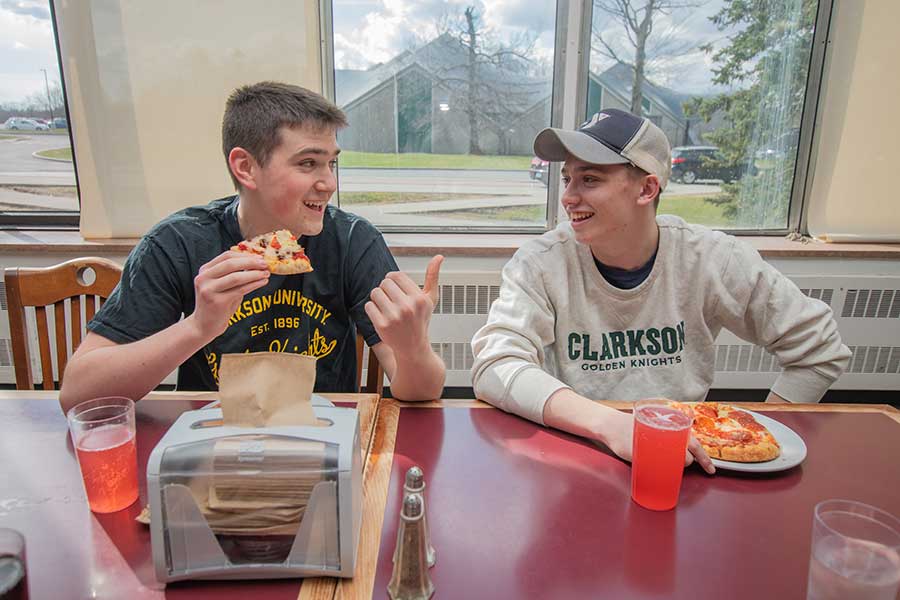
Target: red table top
71	552
520	511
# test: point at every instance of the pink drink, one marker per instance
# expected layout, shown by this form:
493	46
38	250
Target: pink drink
108	459
660	440
852	569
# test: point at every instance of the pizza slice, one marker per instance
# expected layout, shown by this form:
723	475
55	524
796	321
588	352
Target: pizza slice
731	434
280	250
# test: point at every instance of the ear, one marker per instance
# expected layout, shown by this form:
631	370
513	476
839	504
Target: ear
649	190
243	166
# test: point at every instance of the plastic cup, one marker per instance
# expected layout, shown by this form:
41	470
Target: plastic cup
855	553
13	572
104	438
661	433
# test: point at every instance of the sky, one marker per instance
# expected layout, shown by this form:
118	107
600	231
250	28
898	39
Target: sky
371	31
26	47
367	32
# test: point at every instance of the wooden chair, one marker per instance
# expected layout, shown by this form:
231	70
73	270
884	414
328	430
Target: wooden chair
47	289
375	374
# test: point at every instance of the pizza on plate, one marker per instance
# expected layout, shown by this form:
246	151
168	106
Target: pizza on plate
732	434
280	250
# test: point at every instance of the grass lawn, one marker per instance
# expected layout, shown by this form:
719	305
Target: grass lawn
533	213
61	191
351	198
693	209
36	131
29	132
63	153
350	158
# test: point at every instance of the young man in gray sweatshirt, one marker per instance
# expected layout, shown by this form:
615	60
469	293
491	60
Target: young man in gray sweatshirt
621	304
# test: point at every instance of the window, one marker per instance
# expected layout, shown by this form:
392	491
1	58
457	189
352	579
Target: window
36	174
726	81
444	102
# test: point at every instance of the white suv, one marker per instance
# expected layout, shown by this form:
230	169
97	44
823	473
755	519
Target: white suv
24	124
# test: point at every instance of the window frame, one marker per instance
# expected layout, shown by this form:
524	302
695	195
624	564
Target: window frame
565	65
11	220
563	87
804	167
561	42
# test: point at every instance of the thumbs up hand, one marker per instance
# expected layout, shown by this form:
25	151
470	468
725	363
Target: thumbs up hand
400	311
432	273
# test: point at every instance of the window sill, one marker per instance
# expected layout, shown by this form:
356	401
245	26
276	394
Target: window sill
419	244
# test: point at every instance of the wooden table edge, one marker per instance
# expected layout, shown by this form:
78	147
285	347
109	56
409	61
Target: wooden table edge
173	396
623	404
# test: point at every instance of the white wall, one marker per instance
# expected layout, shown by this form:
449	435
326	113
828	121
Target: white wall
144	78
854	190
864	293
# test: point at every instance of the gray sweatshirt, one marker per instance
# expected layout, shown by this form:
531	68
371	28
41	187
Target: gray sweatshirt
559	324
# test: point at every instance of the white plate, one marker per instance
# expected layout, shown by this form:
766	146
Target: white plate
793	449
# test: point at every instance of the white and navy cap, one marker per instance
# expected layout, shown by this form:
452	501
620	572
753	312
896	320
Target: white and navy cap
610	137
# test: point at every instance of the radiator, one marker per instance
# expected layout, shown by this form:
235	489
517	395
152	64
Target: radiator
866	303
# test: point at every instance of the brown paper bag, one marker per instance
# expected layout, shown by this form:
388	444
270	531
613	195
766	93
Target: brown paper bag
267	389
264	389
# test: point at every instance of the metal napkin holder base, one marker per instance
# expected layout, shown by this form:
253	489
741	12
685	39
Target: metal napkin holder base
184	545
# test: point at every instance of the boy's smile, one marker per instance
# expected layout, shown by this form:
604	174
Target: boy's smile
611	210
292	189
598	198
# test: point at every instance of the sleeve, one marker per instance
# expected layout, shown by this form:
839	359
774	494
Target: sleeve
759	304
147	300
509	350
368	262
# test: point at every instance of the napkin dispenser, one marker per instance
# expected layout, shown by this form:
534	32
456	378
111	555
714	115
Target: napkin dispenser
246	503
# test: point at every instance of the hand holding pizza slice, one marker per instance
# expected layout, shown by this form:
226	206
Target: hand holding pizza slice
280	250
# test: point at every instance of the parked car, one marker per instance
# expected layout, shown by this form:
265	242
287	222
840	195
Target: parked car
21	123
60	123
691	163
539	169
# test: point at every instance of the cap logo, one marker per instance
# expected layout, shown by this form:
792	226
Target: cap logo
596	118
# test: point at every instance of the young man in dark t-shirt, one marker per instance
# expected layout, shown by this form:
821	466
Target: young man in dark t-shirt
281	149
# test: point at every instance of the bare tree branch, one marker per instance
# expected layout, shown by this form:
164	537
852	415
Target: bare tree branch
637	21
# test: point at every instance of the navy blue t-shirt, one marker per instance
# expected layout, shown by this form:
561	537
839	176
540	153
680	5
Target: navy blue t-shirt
625	279
316	314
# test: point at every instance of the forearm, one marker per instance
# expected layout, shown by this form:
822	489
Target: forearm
418	376
774	398
573	413
131	370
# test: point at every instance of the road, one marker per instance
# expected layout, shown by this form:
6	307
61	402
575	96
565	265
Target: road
17	165
469	182
483	188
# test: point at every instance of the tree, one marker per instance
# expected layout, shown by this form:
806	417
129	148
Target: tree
488	78
768	60
36	102
641	51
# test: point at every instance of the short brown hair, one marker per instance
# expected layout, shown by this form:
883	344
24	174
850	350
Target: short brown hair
254	113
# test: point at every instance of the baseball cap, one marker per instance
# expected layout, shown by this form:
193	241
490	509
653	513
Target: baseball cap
610	137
